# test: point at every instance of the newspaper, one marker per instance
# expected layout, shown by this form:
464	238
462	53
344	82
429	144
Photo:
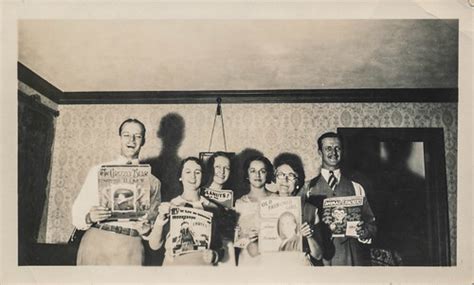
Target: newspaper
125	190
223	197
190	230
280	223
342	214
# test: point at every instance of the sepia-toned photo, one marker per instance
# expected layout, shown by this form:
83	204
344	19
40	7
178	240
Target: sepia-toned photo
284	143
239	144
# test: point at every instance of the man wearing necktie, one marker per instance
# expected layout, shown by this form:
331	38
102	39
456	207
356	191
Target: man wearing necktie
331	183
114	242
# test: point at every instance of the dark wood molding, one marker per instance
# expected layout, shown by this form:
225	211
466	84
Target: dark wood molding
431	95
38	83
367	95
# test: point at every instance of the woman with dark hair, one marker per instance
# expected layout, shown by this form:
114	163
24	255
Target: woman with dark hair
191	173
258	171
289	178
291	164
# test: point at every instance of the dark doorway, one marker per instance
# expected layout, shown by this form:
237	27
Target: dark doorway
404	174
35	139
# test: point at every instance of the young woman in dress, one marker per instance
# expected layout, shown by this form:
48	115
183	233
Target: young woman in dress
191	173
258	171
219	170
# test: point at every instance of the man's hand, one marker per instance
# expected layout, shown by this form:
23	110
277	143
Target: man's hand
306	230
362	231
143	225
209	256
163	214
98	214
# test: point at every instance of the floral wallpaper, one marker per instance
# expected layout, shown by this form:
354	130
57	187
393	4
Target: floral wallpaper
87	135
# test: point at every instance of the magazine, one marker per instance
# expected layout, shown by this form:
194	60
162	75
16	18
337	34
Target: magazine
223	197
280	223
342	214
190	230
125	190
247	222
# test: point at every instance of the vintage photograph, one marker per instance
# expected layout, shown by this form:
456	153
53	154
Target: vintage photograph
238	143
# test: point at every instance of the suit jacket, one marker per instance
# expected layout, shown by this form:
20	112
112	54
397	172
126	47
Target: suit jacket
336	251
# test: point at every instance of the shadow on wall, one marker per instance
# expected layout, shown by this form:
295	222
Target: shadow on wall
397	195
403	195
165	166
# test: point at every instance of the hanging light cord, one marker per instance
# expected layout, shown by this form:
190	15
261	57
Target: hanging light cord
218	113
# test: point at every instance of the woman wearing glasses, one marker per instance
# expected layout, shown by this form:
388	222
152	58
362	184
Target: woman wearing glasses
258	171
289	178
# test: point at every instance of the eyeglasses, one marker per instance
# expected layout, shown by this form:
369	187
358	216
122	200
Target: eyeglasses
290	176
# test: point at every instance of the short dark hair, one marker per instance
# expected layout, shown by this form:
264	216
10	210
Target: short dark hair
328	135
265	161
210	165
294	161
132	120
198	161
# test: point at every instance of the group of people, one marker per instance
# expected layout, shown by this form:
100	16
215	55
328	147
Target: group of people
121	242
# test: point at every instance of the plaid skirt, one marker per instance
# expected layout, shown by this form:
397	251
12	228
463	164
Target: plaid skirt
100	247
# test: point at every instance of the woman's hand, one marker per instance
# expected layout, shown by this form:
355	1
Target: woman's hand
209	256
156	236
306	230
252	247
163	214
253	235
98	214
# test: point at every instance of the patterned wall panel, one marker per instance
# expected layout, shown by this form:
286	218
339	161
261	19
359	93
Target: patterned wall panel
88	134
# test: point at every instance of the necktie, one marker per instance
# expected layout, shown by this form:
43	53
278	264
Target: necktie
332	180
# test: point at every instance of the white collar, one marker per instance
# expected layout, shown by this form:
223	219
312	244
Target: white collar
123	160
180	201
325	173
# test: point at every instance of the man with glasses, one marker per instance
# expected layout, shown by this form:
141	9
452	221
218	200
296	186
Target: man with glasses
114	242
331	183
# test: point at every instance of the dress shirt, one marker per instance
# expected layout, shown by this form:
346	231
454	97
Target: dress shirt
359	190
89	196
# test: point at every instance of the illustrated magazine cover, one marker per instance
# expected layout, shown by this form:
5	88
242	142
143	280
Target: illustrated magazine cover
125	189
190	230
342	214
280	224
